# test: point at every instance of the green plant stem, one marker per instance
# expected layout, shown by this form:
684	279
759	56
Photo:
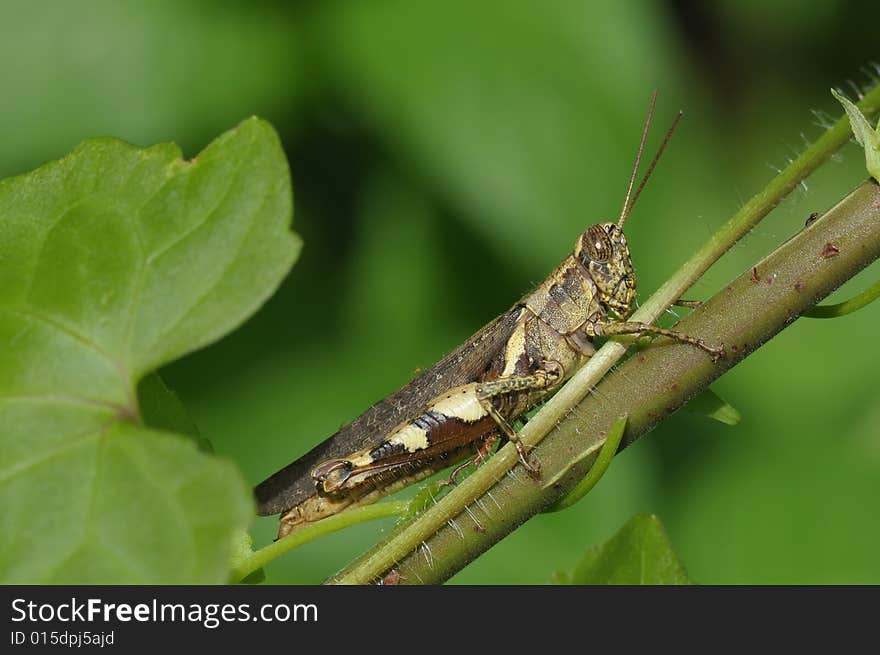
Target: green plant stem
259	558
865	298
433	522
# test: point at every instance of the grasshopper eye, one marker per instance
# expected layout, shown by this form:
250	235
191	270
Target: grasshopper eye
597	244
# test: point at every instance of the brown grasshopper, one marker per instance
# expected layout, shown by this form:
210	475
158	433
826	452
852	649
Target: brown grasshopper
471	397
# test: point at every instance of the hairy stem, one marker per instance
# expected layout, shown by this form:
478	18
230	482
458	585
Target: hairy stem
497	478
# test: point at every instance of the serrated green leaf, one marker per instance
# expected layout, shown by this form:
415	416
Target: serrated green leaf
237	62
711	405
639	554
113	261
867	137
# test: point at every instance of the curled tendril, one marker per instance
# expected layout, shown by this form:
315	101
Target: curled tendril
847	307
597	470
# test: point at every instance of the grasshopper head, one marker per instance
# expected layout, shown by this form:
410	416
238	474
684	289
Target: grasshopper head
603	252
602	248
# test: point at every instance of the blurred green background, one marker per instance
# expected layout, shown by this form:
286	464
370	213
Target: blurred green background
444	157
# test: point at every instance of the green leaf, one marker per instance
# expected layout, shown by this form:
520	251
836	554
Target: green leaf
711	405
639	554
114	261
868	137
238	61
162	409
242	550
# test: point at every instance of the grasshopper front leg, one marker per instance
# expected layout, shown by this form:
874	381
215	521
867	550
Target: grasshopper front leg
612	328
509	390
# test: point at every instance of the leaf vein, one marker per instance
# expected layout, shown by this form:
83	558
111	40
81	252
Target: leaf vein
78	440
229	264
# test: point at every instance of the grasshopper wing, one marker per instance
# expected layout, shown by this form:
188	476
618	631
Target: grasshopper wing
293	484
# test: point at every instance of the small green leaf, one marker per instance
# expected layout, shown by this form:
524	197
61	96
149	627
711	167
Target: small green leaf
639	554
711	405
114	261
868	137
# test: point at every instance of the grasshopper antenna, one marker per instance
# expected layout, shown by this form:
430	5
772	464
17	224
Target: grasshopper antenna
627	203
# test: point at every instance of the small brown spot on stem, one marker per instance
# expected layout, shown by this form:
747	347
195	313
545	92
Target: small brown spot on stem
391	578
830	250
798	286
755	277
812	217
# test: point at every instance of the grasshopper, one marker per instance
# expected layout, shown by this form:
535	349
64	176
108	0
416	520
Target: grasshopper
470	399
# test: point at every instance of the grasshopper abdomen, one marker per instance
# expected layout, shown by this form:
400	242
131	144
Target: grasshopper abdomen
452	420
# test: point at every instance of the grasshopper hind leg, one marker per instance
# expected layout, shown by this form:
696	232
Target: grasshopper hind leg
482	453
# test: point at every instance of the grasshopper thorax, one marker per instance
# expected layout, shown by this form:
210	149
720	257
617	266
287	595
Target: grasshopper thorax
603	252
